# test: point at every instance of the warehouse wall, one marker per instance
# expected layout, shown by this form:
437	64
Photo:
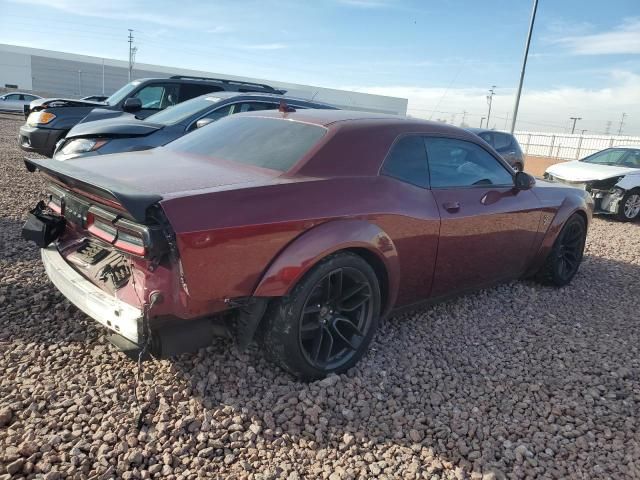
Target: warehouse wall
66	74
15	69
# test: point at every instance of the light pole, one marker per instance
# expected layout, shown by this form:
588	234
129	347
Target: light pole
524	65
575	119
482	120
490	101
621	123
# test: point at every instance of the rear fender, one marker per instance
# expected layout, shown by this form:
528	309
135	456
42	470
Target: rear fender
308	249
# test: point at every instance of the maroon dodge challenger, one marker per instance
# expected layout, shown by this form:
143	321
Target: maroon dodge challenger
299	229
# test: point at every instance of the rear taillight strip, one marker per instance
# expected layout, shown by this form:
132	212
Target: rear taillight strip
124	234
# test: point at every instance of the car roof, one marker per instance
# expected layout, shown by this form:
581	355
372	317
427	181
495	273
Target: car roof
635	147
328	118
260	95
485	130
21	93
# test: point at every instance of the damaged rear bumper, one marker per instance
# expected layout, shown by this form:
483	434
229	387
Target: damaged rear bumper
116	315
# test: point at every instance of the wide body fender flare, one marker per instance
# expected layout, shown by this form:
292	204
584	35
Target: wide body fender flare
300	256
569	207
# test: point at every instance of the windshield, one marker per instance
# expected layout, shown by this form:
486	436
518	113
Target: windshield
272	143
122	93
619	157
179	112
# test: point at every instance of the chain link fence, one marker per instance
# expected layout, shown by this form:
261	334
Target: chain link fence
569	146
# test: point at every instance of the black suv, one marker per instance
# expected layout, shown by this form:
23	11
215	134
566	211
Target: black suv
505	144
49	119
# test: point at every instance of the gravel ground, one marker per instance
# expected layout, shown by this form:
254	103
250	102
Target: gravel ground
519	381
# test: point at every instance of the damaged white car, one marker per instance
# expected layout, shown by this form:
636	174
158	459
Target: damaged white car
612	176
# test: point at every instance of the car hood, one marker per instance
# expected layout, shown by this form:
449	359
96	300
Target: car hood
118	126
42	103
578	171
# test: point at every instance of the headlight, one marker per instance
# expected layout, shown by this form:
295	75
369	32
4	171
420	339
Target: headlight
39	118
82	145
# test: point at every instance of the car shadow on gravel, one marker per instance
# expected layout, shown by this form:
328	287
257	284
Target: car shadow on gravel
458	383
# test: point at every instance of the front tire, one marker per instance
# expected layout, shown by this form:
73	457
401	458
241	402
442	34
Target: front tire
629	206
564	259
325	325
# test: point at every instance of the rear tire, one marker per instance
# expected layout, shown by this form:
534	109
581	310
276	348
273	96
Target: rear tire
564	259
629	206
326	323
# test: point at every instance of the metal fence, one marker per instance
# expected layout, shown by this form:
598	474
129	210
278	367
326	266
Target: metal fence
564	146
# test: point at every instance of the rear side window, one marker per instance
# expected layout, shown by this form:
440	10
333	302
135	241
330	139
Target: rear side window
501	141
189	90
407	161
271	143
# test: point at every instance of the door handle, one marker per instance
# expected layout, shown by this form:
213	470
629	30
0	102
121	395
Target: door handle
451	207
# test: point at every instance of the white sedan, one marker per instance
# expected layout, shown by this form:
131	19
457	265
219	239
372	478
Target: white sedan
15	101
612	176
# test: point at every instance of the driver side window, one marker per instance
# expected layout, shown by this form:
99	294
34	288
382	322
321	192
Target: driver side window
158	96
457	163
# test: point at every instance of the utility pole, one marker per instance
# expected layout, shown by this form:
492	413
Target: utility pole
524	65
132	53
621	123
464	116
575	119
582	131
490	101
482	120
607	130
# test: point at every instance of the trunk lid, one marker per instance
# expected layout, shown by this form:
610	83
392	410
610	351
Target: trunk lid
137	180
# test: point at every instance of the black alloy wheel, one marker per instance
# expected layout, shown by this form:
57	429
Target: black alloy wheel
326	323
335	318
564	259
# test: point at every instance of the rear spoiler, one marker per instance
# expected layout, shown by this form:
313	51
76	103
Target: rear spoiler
134	202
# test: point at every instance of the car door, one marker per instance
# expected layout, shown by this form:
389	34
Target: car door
12	102
415	220
488	228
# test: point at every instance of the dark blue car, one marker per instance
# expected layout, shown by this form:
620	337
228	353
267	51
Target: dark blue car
105	131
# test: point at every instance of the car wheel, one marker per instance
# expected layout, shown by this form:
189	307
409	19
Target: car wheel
326	323
629	206
563	261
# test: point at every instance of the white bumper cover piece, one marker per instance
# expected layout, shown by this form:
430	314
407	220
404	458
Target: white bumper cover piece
118	316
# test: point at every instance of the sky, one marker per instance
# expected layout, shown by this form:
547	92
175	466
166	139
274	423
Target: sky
443	55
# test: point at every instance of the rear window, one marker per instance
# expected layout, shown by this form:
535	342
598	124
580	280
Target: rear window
271	143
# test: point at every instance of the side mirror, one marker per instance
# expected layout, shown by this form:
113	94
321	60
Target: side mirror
203	121
524	181
132	105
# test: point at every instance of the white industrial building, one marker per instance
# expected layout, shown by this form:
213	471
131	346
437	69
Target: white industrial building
52	73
